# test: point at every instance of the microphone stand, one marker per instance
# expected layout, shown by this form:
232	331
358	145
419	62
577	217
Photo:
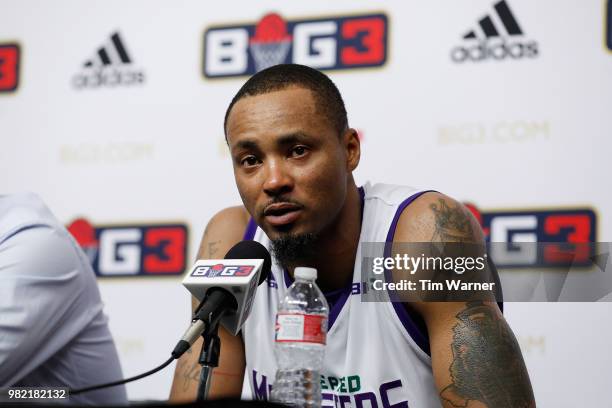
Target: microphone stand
209	358
211	347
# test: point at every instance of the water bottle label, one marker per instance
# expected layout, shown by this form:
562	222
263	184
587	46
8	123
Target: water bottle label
291	327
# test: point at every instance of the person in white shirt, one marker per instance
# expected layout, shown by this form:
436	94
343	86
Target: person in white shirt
53	332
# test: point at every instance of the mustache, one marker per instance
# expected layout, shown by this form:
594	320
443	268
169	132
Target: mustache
279	200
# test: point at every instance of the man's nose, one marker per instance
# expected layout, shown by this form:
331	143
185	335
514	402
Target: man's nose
278	180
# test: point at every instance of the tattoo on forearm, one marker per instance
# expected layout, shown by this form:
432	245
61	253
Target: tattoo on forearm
487	363
453	224
191	376
187	372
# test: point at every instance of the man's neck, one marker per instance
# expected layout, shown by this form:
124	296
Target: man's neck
337	245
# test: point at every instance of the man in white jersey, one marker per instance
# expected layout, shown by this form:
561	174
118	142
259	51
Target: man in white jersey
293	155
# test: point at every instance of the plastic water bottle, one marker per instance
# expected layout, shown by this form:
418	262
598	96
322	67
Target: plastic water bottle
301	329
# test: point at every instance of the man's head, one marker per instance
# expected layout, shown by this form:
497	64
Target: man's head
279	77
292	153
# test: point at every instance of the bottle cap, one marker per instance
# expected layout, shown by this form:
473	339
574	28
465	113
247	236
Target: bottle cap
305	273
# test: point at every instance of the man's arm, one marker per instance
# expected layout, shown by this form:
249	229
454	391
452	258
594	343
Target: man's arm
476	359
41	282
224	230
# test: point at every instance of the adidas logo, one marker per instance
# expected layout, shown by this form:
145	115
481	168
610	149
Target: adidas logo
114	49
111	66
498	36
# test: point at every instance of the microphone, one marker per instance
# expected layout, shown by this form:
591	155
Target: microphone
226	289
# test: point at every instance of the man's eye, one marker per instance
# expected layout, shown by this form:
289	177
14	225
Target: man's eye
298	151
249	161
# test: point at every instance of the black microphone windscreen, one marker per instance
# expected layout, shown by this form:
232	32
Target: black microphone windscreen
252	250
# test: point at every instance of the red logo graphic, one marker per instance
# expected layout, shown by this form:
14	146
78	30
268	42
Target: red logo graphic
9	67
85	235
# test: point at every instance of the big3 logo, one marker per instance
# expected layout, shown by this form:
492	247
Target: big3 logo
550	237
325	43
133	250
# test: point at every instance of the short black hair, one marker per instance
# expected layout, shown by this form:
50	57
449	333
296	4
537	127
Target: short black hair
278	77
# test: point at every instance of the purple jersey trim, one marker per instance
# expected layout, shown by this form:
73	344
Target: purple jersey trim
249	233
343	293
408	320
288	278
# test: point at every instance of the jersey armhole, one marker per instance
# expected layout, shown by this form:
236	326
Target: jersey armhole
249	232
412	322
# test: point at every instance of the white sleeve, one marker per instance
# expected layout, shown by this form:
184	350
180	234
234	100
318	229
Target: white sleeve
41	282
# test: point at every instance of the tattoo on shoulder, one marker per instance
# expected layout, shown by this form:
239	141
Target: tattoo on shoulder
487	363
453	224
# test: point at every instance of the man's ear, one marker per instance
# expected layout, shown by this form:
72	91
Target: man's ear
352	145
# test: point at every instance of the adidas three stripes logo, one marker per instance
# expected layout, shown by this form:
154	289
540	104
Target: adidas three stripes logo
114	52
491	30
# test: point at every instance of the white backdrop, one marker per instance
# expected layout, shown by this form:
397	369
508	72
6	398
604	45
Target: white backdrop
507	135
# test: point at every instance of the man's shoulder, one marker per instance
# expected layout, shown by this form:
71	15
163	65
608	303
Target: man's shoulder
391	194
230	217
226	228
434	216
35	244
21	211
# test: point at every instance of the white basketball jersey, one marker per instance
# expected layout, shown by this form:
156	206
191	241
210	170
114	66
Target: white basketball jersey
376	356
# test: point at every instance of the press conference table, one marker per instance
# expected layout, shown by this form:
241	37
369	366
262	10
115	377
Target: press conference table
226	403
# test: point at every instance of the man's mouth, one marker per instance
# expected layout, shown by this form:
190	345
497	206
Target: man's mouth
279	214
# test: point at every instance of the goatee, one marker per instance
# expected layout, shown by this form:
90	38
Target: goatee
293	250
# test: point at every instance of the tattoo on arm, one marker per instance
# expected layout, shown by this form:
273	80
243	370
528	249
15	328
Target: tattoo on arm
213	248
487	363
189	372
453	224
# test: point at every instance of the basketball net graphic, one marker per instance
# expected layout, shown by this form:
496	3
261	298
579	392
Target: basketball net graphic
271	43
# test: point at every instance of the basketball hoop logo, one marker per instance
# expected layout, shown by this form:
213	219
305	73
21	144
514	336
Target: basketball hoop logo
271	43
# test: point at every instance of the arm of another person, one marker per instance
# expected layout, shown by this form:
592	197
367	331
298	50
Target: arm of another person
41	280
224	230
476	359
